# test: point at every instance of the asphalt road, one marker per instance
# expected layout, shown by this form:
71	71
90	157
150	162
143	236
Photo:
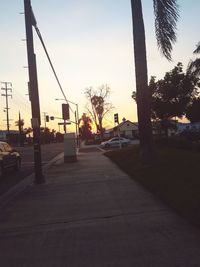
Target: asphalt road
11	177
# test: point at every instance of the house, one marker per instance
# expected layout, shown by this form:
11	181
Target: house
164	128
125	129
195	126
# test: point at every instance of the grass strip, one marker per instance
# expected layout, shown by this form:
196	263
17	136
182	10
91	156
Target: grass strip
174	177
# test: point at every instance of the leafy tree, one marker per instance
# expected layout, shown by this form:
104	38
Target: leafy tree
193	110
59	137
28	130
166	15
172	95
85	128
47	135
98	106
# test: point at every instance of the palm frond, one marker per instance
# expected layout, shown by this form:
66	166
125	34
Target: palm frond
194	67
166	16
197	50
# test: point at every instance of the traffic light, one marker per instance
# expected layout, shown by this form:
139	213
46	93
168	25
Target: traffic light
65	111
52	118
47	118
116	118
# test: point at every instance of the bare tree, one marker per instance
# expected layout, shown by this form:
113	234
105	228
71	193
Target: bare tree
98	106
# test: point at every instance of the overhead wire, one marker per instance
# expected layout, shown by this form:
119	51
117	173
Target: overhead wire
50	62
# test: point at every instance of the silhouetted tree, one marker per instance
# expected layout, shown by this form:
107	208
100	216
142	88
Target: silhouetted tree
166	15
45	135
193	110
59	137
20	124
85	128
28	130
172	95
98	106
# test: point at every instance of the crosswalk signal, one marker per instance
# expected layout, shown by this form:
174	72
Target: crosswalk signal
65	111
116	118
47	118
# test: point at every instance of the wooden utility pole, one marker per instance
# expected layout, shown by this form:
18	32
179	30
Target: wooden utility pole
7	87
34	95
20	126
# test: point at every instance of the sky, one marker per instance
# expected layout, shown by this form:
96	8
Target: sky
90	43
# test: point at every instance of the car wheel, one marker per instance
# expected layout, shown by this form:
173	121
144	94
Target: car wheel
107	145
18	165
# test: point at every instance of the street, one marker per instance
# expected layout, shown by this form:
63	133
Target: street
12	177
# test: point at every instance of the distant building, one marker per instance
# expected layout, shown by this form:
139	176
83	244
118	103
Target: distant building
125	129
195	126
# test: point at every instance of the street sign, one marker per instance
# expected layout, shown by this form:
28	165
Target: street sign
64	123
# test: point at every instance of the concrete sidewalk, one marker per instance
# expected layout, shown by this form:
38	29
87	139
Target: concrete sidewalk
91	214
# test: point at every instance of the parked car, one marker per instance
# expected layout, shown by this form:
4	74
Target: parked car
114	142
9	157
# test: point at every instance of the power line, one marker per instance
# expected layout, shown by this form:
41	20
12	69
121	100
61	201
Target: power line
48	57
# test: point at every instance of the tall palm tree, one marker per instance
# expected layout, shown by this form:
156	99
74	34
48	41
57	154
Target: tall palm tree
166	15
20	124
194	66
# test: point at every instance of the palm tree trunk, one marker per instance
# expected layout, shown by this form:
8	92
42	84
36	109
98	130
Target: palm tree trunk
143	95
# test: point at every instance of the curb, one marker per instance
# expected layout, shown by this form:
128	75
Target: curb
27	181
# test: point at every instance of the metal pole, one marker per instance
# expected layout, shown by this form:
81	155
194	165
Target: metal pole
65	128
76	122
45	121
35	105
7	112
20	129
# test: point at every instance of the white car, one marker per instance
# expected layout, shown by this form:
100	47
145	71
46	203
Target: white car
114	142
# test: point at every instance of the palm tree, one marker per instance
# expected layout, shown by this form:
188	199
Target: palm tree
166	15
194	66
20	124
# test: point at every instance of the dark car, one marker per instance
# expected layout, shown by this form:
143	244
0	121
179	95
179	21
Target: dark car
9	157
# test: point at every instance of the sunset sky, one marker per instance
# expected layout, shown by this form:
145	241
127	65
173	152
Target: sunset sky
90	43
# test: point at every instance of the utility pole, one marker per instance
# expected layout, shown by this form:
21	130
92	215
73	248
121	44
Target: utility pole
20	125
34	95
45	121
7	87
